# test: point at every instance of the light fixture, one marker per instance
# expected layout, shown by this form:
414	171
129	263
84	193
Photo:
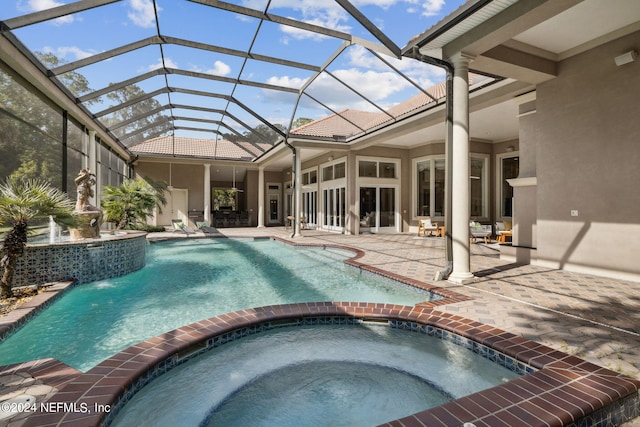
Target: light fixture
626	58
510	148
330	158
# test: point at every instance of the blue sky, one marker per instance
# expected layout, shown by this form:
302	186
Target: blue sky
87	33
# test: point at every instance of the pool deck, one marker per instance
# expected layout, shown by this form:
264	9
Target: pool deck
593	318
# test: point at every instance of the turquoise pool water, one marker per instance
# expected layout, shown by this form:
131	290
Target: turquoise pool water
186	281
338	375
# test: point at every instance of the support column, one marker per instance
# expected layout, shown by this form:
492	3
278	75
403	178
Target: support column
207	194
460	181
297	192
261	197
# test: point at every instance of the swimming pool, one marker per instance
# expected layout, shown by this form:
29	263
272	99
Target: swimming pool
189	280
337	375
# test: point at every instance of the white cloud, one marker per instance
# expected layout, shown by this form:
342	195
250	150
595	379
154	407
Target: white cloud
286	81
71	53
38	5
428	7
219	69
168	62
432	7
374	85
421	73
142	13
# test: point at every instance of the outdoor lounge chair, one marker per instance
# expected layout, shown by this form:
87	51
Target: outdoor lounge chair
178	225
426	226
202	226
479	231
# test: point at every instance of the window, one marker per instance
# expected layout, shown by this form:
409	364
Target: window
331	172
375	169
387	170
327	173
429	184
479	186
509	168
367	169
423	185
438	186
309	177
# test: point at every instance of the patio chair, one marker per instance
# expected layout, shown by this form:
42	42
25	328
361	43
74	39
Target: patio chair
426	226
479	231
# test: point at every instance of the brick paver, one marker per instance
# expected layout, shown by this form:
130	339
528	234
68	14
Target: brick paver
595	318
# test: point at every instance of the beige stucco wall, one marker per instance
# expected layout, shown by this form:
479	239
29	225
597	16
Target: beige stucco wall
586	139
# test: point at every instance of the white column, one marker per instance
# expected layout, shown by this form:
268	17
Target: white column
460	181
207	194
261	197
297	192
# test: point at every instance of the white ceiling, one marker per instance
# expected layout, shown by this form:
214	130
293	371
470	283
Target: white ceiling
587	21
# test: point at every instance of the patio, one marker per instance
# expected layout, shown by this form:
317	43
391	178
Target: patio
595	318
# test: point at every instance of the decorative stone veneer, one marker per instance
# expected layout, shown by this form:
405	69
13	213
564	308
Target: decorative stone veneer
85	261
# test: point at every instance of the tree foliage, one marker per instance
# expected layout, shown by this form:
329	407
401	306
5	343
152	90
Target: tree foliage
153	124
300	121
31	129
130	204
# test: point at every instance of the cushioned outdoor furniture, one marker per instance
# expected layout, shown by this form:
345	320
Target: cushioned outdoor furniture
426	226
180	226
479	231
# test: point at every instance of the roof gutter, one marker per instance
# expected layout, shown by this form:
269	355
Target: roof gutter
443	26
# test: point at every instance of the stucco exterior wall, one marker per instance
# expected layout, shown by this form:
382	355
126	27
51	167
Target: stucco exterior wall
587	148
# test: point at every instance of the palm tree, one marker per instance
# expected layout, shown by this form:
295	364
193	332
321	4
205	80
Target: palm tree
20	202
133	201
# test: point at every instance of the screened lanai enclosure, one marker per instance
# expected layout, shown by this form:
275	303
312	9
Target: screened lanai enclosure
330	114
240	75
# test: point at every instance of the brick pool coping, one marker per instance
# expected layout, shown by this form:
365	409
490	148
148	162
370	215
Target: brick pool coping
565	390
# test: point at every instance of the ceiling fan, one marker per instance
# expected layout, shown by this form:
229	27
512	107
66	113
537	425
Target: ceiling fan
234	188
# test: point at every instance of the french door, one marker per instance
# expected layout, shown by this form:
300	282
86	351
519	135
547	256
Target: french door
378	209
334	208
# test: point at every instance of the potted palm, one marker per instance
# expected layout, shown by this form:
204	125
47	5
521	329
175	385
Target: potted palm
20	202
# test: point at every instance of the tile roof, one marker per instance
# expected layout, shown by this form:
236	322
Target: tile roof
194	147
352	122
